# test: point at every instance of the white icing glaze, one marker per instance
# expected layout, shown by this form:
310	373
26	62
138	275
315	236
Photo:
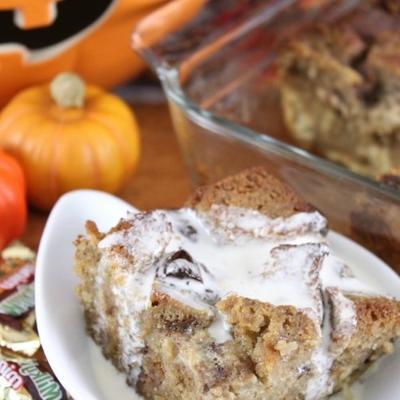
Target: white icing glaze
345	321
320	385
144	240
249	267
231	222
335	273
336	278
143	243
220	329
132	298
200	259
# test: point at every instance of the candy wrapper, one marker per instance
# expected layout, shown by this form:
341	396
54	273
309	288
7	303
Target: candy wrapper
24	371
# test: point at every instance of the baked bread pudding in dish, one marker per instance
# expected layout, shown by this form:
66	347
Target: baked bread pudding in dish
235	296
340	89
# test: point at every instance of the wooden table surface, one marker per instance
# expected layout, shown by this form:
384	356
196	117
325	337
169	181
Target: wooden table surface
161	179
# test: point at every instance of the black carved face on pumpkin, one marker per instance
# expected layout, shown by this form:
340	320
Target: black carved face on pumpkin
34	26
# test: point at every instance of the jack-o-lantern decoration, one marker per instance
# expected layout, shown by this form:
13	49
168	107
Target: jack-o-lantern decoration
40	38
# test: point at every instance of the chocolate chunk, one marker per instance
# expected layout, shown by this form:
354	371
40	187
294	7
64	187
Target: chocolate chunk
180	254
180	265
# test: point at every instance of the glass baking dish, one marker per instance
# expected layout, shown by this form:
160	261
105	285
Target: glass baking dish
217	76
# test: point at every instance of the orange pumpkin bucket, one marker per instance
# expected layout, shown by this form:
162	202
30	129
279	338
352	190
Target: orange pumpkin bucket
40	38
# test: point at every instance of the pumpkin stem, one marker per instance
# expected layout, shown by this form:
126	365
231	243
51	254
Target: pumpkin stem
68	90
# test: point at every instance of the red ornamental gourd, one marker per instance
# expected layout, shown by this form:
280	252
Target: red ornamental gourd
12	199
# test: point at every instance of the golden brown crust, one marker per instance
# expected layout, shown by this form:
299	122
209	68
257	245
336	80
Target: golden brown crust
93	231
378	324
253	188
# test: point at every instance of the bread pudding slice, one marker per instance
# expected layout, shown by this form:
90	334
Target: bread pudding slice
235	296
340	89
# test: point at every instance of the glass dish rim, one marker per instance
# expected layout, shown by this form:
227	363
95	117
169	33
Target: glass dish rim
168	74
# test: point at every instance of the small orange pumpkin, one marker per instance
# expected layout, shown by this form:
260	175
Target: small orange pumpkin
41	38
68	136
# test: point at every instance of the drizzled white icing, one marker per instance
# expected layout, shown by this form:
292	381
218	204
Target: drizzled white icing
220	329
199	259
336	278
256	268
319	384
233	222
132	298
132	272
343	314
335	273
144	239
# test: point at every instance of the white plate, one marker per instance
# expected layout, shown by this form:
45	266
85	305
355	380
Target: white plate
78	363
